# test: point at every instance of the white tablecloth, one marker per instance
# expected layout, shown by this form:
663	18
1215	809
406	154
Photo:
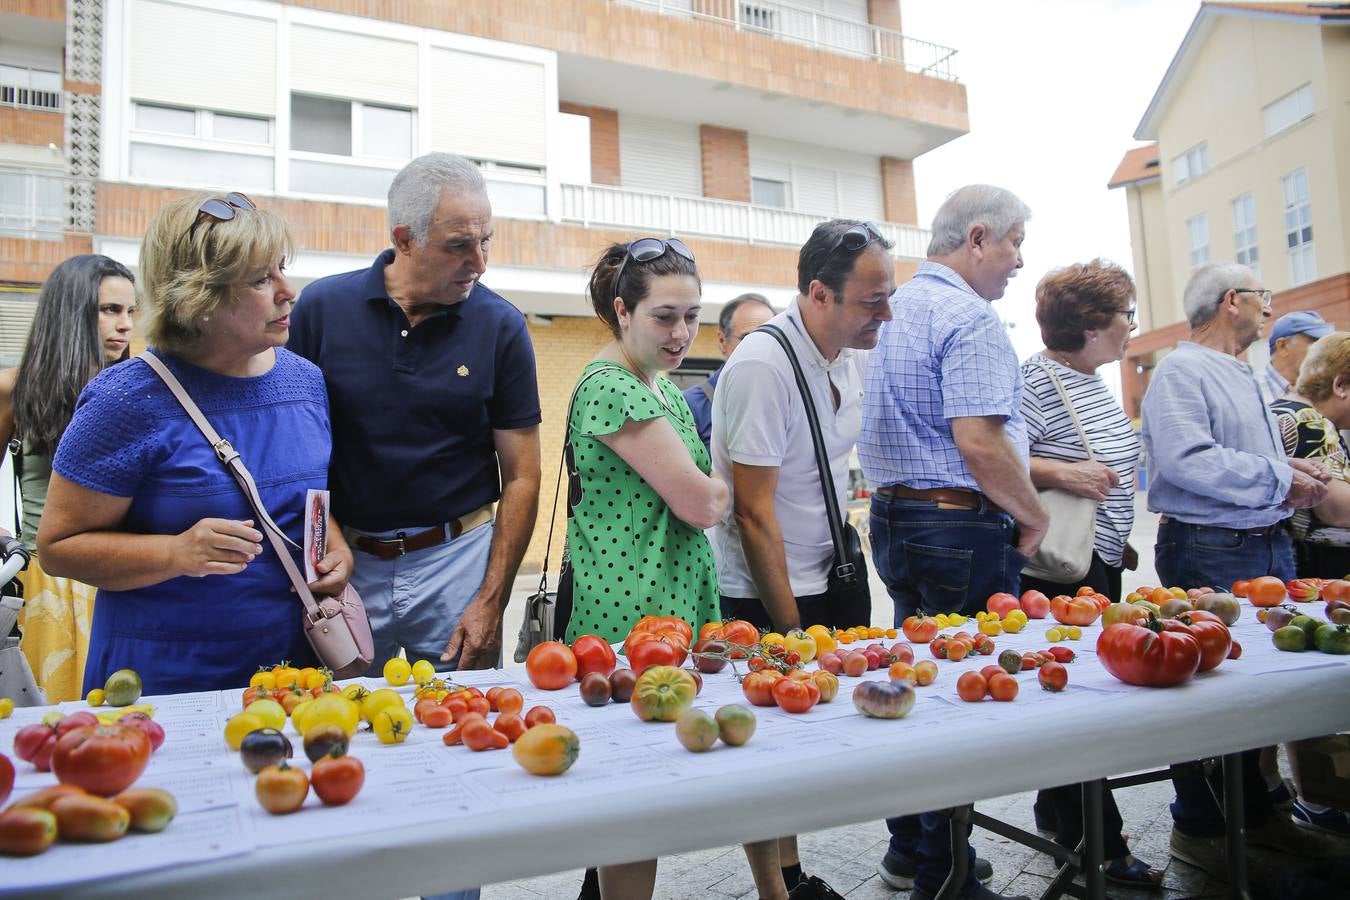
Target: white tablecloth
434	818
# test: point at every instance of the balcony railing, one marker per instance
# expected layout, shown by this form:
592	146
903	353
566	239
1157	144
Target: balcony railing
30	88
34	203
591	204
796	24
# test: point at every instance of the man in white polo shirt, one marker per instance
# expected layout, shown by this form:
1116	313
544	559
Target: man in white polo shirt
773	545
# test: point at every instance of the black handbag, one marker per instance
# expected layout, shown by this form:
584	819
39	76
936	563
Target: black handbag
548	612
850	597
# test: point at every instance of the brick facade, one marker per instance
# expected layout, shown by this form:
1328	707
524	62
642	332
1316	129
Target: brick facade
52	10
32	127
604	141
897	191
30	262
884	13
726	163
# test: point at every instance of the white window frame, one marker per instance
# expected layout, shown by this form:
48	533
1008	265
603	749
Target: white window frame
1199	253
1299	242
786	185
204	130
1191	164
1286	112
1245	249
358	155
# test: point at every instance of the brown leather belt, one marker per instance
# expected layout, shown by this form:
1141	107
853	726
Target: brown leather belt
404	543
945	498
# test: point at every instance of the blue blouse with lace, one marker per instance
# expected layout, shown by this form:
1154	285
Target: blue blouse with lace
129	437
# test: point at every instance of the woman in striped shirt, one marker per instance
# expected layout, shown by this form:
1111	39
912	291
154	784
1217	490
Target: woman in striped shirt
1086	313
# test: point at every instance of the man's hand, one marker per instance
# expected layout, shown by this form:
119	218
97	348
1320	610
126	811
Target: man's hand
477	639
1304	490
1131	558
334	571
1030	535
1088	478
1310	467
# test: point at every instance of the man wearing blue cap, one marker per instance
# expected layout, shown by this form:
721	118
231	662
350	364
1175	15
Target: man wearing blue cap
1290	339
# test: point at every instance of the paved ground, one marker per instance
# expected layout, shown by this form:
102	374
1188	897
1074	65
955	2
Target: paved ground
847	857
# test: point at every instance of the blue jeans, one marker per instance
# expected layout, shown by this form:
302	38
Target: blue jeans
1209	556
939	560
415	601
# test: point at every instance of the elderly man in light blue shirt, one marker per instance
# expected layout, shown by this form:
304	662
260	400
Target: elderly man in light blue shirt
1220	479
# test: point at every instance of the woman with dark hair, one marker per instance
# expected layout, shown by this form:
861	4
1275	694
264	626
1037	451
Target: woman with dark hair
191	596
1086	312
82	324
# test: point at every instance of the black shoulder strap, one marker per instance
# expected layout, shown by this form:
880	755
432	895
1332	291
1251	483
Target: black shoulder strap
16	466
822	459
562	464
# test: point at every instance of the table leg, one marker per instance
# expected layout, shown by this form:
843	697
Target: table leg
1234	817
951	888
1094	876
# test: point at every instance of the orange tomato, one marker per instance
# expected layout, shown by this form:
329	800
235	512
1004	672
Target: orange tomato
546	749
1240	588
971	687
1336	589
477	734
1266	591
711	631
925	672
739	631
551	666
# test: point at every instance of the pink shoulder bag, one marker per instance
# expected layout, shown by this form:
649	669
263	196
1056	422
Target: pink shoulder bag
337	627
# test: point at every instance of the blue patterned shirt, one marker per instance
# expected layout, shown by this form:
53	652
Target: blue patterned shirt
945	355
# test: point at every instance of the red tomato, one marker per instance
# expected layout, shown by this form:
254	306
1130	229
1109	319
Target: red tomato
919	628
34	743
436	716
337	779
1138	654
655	652
1002	686
456	734
1035	604
492	694
6	778
281	789
1235	651
551	666
153	730
1336	589
479	735
1265	591
938	647
971	687
511	700
1002	603
594	654
1074	610
795	695
711	631
958	650
1053	677
758	687
421	706
1212	636
103	759
739	631
511	725
990	671
539	715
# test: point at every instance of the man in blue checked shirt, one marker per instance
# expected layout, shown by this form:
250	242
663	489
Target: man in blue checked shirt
955	516
1219	477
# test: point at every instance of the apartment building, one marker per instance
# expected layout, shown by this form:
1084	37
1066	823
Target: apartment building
1248	160
735	125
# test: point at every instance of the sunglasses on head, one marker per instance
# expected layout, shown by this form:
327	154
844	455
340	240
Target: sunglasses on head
221	210
647	249
852	240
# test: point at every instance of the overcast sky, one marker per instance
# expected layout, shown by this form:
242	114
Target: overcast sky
1055	89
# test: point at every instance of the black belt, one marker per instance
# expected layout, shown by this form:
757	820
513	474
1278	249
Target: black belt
1259	532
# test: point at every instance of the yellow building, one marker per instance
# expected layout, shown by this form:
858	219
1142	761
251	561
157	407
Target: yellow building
1249	161
736	126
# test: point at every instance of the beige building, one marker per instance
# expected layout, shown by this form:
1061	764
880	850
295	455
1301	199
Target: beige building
1249	160
737	126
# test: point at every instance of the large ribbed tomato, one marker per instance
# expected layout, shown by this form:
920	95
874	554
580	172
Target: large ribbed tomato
1209	632
1147	655
662	693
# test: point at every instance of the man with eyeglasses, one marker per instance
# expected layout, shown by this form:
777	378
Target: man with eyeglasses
773	546
1290	338
740	316
1220	480
431	383
955	515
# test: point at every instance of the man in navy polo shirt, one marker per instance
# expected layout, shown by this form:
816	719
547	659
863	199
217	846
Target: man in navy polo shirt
435	409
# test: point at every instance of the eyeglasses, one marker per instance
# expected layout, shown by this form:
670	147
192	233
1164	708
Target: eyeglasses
647	249
221	210
1266	294
852	240
1130	313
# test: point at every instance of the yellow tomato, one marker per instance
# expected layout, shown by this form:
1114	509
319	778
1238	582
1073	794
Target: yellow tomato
956	619
239	725
801	642
1013	626
825	641
317	679
6	707
298	715
355	692
773	637
397	671
991	627
379	700
892	633
423	671
287	677
1179	593
392	724
95	697
264	679
1017	614
1074	632
335	710
272	713
1054	635
941	620
845	637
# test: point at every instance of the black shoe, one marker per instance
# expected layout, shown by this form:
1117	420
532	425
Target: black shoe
980	893
812	887
898	871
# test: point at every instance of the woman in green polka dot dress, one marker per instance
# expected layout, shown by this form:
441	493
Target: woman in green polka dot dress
636	533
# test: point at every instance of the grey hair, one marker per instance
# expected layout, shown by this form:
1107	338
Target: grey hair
996	208
416	190
729	310
1206	288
